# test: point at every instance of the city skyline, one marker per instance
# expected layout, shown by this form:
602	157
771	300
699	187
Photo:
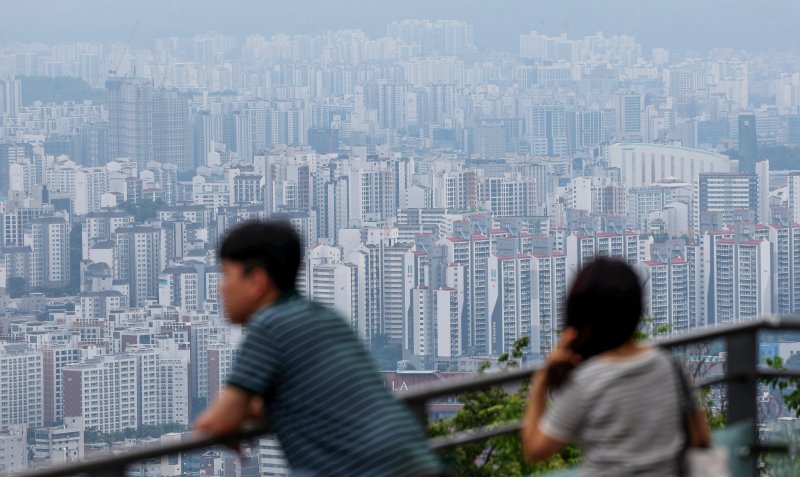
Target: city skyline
702	25
447	190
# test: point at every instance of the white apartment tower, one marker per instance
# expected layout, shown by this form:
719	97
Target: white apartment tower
104	392
22	389
138	260
48	238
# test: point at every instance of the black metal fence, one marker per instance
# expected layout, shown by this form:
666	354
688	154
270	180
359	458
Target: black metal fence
741	375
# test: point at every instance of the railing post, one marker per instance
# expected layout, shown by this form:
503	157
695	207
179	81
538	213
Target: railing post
742	362
419	408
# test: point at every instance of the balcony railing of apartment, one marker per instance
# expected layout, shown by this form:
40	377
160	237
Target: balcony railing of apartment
742	373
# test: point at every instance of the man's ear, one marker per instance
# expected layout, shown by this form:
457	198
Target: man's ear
263	281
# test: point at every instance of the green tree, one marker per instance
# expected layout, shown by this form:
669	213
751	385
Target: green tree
91	435
143	209
781	465
789	387
660	238
59	90
145	431
16	287
502	455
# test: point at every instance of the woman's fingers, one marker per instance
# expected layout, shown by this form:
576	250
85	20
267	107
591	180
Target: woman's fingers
568	336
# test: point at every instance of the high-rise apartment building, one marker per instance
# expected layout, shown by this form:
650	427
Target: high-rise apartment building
629	107
54	359
726	193
472	250
511	195
666	296
22	391
785	240
12	154
163	386
511	296
130	118
48	238
104	392
372	193
738	271
337	285
137	260
220	362
12	97
147	124
94	144
180	286
90	185
547	130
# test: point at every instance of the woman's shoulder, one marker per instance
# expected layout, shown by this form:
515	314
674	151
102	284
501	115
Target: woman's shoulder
645	369
599	366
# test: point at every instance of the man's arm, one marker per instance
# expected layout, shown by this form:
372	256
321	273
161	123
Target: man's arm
232	408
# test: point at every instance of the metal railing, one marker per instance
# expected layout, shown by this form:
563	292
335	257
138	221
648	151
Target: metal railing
741	379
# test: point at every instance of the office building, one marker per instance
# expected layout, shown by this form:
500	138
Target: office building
748	143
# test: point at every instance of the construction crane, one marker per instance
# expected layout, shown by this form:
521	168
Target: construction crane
112	72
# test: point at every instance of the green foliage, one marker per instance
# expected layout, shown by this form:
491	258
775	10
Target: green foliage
716	420
92	435
780	465
16	287
660	238
502	455
143	209
789	387
661	330
58	90
643	333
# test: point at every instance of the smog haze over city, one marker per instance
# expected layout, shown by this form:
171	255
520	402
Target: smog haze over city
449	167
682	25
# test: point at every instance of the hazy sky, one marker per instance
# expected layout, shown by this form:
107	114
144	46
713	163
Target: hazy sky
675	24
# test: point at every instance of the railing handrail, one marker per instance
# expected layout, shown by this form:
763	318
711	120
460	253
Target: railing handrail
494	378
109	465
467	384
122	460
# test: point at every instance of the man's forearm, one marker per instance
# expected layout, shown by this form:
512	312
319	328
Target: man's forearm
226	414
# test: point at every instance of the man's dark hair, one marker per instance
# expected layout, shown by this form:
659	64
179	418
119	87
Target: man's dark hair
271	245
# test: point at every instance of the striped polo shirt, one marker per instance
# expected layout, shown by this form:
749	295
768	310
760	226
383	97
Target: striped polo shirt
324	398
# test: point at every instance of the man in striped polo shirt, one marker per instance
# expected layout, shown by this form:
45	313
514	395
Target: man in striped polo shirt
302	368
